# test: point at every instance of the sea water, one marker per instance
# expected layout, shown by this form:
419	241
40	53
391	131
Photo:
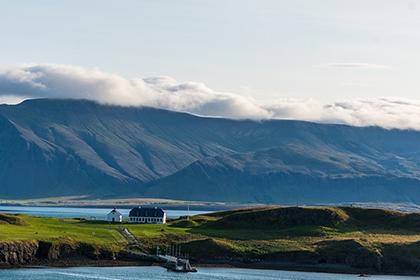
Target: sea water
81	212
143	273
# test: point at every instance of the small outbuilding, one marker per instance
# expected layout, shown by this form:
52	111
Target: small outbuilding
147	215
114	216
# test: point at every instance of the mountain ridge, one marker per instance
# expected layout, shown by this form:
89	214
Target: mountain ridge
68	147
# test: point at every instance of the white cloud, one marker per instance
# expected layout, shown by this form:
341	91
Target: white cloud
390	112
5	99
64	81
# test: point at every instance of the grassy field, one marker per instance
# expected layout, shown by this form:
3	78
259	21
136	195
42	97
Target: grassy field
51	229
367	228
352	236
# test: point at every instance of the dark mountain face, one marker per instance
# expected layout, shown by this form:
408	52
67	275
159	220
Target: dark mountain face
76	147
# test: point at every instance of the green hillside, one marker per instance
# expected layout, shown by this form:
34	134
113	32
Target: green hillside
28	228
327	238
370	239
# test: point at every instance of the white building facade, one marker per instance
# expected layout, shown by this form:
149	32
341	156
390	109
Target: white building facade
114	216
147	215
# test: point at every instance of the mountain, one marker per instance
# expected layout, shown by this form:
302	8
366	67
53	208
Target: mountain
77	147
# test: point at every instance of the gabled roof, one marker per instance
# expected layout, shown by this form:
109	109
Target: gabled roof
146	212
115	211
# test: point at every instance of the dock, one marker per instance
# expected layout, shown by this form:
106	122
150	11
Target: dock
176	264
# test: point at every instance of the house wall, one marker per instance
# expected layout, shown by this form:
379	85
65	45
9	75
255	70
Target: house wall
117	218
147	220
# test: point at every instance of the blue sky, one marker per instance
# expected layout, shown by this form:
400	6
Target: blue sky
325	50
353	62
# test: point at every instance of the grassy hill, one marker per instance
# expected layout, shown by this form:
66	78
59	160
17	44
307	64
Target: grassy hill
315	238
355	238
24	228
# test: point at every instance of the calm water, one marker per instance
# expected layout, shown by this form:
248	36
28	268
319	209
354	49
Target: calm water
87	213
143	273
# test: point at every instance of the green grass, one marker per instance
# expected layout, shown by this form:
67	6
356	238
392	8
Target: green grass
50	229
278	230
258	234
154	231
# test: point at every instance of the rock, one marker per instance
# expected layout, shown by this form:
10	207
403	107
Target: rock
351	253
17	253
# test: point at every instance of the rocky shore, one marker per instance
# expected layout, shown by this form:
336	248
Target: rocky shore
33	253
20	254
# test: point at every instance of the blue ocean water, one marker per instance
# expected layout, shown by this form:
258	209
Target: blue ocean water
157	273
79	212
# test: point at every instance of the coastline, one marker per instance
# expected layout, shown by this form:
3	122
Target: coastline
123	203
280	266
223	239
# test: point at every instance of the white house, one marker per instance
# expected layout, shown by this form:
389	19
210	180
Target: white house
147	215
114	216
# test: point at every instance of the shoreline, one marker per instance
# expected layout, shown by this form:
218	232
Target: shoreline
275	266
176	207
124	203
79	243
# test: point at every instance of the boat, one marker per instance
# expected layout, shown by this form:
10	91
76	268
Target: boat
180	265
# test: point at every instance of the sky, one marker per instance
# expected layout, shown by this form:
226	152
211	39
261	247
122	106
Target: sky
268	59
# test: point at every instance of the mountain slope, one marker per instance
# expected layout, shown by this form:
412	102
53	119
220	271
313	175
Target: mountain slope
287	177
67	147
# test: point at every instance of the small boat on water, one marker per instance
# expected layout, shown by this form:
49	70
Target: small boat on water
174	261
180	265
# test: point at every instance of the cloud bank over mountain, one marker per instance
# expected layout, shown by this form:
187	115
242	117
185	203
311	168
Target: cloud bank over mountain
66	81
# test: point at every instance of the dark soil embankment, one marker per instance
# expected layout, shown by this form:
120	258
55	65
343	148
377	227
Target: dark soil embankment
21	253
11	219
